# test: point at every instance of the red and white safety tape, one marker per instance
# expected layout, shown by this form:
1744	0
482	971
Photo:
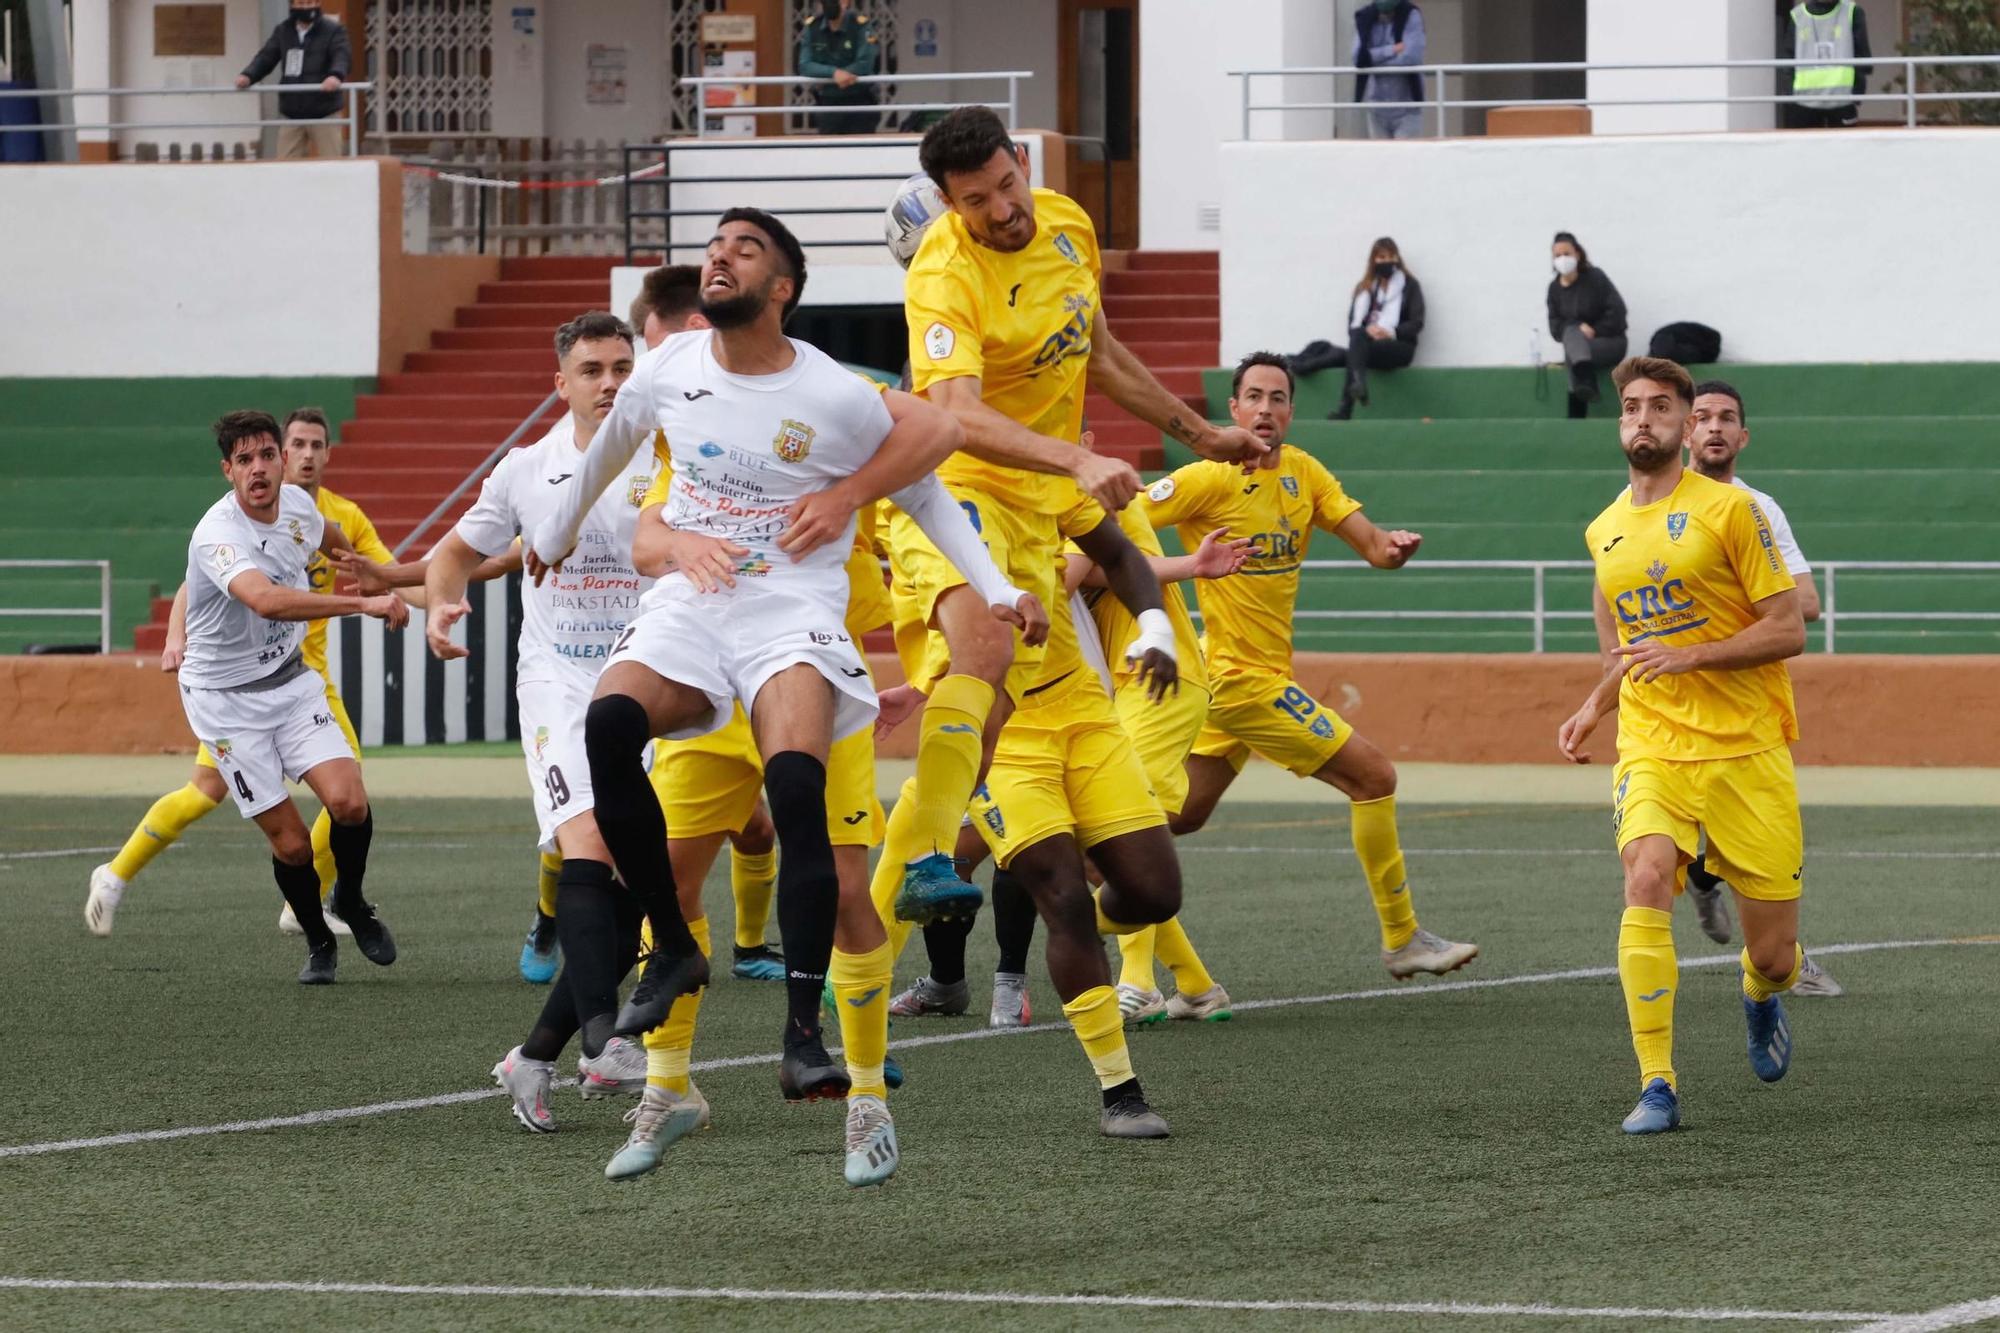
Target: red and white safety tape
490	183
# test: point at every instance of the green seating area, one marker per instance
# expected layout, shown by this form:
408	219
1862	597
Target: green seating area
119	470
1871	463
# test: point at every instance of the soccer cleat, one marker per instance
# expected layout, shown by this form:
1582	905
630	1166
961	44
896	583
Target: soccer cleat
928	997
1426	952
892	1072
105	891
871	1141
1711	902
667	977
1130	1118
528	1083
1658	1111
1816	980
932	891
1137	1005
288	924
320	963
540	953
619	1070
807	1073
763	963
1770	1038
1010	1001
371	933
1211	1006
660	1120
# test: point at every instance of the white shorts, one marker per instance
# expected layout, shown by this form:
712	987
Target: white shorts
552	714
729	644
261	737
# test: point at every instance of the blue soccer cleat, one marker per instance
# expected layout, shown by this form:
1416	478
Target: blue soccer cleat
761	963
932	891
1658	1111
892	1072
540	954
1770	1038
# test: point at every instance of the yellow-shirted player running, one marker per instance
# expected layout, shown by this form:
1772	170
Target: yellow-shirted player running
1695	616
1247	619
306	445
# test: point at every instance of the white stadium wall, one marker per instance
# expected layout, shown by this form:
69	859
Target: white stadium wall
1860	246
264	270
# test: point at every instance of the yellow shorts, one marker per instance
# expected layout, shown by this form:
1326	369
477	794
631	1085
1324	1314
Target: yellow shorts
1163	733
1064	764
203	759
1749	805
711	784
1026	547
1274	717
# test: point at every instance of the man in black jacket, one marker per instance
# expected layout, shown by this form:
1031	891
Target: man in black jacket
311	49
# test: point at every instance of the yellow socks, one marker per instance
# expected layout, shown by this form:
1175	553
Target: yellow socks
551	873
901	845
1177	952
948	749
1101	1028
1381	855
322	845
1759	987
753	878
1649	972
669	1045
1136	954
860	984
160	829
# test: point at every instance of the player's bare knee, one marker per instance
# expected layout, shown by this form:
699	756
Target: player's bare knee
293	847
208	782
1773	954
348	806
1360	771
1188	820
759	836
1648	884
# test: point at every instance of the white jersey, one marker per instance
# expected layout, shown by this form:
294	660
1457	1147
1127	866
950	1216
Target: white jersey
228	644
569	623
1781	530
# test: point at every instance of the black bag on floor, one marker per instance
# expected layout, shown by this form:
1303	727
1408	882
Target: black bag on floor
1689	343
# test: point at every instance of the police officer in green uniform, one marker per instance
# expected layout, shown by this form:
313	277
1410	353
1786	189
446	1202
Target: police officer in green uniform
839	45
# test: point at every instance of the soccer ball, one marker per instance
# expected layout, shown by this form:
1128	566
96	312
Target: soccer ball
917	204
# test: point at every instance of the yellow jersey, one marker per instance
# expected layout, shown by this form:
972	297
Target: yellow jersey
1117	627
1689	568
320	572
1247	617
1021	322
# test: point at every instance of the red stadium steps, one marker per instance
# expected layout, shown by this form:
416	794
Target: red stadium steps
1166	306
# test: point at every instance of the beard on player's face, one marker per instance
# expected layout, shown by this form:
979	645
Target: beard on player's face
738	309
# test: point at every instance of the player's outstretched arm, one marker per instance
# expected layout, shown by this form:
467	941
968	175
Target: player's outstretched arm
1121	376
919	441
1218	556
1383	548
994	437
350	561
943	520
446	571
630	426
1778	632
276	602
1132	582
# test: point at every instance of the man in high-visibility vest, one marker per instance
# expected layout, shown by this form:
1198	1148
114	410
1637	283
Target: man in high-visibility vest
1830	39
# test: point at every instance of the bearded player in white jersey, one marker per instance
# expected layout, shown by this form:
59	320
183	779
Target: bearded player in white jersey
775	447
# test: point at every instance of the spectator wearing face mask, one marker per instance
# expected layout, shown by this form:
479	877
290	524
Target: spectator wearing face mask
1587	316
839	45
1384	318
1388	33
310	50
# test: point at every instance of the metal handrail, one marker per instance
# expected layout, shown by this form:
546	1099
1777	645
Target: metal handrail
1539	613
352	119
101	613
485	466
1012	106
1909	97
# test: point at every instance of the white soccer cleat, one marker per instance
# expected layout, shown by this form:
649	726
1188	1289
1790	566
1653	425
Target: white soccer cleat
660	1120
1137	1005
528	1083
1426	952
102	905
619	1070
871	1141
1816	980
1211	1006
288	922
1010	1001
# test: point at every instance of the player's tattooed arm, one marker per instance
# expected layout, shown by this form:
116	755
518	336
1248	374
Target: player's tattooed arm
994	437
1121	376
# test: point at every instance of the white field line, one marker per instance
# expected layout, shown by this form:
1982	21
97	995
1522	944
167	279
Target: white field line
389	838
1608	852
975	1298
1950	1316
334	1114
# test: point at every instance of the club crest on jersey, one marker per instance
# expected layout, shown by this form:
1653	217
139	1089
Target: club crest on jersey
1657	570
541	741
1066	248
1291	485
636	488
220	748
298	533
794	440
1677	524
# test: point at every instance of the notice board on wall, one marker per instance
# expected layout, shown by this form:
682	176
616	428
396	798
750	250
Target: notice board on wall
188	30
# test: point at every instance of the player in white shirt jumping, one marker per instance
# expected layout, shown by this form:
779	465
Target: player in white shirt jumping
251	698
1720	431
774	448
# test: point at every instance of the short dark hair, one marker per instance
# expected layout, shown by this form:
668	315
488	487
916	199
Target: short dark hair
590	325
965	140
788	246
310	416
1261	359
672	291
245	423
1727	389
1657	369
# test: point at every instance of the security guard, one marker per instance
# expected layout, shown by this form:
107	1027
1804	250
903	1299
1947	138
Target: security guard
840	46
1830	38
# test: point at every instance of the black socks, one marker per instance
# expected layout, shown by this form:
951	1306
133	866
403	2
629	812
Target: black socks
808	887
587	925
349	843
1013	922
945	941
300	885
615	731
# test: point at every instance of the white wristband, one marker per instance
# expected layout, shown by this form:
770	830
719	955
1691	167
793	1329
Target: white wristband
1155	631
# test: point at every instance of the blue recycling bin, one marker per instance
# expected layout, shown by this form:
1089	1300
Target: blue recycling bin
19	145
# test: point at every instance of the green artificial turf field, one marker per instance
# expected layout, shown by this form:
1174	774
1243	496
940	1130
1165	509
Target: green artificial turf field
1359	1154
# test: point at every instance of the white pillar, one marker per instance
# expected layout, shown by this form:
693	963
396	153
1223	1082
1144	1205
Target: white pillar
90	67
1621	32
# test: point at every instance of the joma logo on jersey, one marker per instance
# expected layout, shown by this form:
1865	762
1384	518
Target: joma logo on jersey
1072	339
1644	603
794	440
